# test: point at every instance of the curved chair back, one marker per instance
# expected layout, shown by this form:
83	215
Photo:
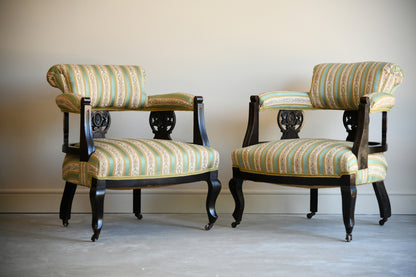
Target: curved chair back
108	86
340	85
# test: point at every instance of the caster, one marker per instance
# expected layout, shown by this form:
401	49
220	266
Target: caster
94	237
208	226
65	222
348	238
382	221
139	216
310	215
235	223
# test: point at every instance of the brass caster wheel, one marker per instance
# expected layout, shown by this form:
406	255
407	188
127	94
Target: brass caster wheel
208	226
382	221
310	215
139	216
234	224
348	238
94	238
65	223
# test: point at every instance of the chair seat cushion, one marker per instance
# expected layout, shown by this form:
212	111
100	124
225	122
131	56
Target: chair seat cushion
119	159
308	158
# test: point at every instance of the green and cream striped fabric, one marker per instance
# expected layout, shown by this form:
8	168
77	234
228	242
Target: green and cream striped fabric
170	101
309	158
110	87
69	102
340	85
288	100
381	102
120	159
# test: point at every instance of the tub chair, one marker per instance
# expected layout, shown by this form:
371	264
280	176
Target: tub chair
101	163
358	89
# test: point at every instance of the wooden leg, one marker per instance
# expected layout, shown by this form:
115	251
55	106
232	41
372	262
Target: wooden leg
349	195
97	193
313	203
383	201
214	188
137	203
236	189
66	202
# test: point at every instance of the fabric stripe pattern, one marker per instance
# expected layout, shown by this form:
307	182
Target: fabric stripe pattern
118	159
108	86
285	100
340	86
308	157
381	102
170	101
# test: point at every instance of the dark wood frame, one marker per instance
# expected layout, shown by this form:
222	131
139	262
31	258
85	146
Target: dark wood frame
357	125
85	148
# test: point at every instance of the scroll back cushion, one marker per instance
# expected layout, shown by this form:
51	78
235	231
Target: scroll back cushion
340	85
108	86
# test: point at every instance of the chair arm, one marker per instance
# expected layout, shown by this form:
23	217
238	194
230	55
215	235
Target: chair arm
85	147
360	146
69	102
200	133
285	100
170	102
86	140
380	102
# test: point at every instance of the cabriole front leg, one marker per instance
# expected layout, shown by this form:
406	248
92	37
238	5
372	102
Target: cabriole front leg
66	202
214	188
236	190
349	195
97	193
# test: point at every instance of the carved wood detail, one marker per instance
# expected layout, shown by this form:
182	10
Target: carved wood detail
162	123
350	120
290	123
100	122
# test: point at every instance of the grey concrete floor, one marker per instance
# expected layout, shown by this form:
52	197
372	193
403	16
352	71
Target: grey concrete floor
177	245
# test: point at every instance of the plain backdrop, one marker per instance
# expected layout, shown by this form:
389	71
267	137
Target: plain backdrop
223	50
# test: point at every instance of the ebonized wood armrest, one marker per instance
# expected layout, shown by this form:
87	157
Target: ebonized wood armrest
200	133
86	141
252	132
360	147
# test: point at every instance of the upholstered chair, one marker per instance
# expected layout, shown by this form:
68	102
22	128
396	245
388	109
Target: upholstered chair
359	89
101	163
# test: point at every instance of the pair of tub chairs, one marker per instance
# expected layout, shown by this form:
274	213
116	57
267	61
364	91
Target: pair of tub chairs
102	163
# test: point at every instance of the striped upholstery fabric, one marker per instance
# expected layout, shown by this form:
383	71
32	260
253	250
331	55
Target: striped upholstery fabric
308	157
381	102
110	87
69	102
285	100
171	101
340	86
118	159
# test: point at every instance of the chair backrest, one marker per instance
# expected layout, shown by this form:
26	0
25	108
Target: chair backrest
108	86
340	85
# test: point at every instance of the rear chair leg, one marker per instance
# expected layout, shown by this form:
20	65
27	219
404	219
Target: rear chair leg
137	203
214	188
66	202
313	203
383	201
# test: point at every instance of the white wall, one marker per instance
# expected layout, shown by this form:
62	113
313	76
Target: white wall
222	50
